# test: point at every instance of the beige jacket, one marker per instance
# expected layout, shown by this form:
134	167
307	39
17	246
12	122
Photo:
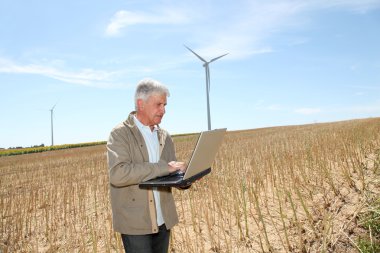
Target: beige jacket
133	209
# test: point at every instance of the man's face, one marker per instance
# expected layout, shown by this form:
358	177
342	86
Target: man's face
152	111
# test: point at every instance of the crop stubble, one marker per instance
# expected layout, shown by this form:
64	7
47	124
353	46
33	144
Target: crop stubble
282	189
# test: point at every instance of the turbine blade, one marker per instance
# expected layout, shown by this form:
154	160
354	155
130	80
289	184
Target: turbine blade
53	106
200	58
216	58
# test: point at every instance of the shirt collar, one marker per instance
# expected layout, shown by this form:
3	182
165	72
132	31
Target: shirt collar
142	126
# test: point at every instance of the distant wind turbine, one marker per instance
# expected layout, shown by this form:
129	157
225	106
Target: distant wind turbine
206	63
51	120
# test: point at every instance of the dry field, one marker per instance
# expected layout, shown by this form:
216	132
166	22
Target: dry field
283	189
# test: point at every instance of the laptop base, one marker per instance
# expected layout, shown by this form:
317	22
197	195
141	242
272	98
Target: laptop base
174	180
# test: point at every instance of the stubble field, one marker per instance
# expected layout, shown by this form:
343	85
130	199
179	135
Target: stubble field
282	189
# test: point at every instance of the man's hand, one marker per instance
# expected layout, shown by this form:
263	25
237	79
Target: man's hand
177	166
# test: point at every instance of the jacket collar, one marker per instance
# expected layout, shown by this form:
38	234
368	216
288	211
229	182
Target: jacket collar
129	122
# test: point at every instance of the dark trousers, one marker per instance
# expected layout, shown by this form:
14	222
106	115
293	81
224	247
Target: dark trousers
151	243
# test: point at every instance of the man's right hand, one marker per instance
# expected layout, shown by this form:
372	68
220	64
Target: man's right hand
177	166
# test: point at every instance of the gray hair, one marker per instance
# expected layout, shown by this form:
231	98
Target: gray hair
148	87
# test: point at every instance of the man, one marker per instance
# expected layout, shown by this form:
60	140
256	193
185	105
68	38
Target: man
139	150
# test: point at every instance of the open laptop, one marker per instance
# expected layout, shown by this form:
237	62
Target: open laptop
199	165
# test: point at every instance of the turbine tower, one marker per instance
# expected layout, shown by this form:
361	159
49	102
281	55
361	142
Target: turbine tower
51	120
207	69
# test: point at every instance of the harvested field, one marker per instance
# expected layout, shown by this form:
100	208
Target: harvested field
280	189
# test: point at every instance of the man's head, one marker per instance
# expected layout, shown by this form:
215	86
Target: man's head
150	101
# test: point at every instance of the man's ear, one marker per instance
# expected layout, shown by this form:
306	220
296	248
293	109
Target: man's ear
140	104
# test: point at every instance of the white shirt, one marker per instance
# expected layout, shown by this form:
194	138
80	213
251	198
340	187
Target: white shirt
152	144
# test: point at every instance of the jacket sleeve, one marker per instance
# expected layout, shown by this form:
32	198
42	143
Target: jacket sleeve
123	170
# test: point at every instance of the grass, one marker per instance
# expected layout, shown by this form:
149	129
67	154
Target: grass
369	240
23	151
40	149
311	188
369	219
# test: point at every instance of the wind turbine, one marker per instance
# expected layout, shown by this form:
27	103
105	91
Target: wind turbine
207	69
51	120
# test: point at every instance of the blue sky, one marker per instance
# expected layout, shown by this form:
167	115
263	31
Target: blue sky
290	62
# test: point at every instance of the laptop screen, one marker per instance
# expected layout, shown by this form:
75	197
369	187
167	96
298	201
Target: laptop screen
205	151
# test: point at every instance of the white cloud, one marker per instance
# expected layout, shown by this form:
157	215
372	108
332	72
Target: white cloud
240	29
124	18
244	31
55	69
88	77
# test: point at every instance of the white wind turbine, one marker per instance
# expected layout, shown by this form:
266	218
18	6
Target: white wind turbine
206	63
51	120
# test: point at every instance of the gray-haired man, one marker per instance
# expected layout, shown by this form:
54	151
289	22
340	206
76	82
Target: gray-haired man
139	150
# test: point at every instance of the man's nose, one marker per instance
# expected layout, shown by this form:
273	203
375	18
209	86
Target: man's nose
162	108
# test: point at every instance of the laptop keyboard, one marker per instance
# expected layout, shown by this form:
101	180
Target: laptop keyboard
172	178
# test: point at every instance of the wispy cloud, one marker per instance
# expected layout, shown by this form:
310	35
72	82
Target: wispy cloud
56	69
87	77
260	20
242	30
125	18
247	30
